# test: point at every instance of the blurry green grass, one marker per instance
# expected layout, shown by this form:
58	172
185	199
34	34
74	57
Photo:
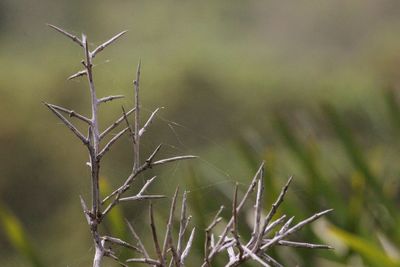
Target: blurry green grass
18	237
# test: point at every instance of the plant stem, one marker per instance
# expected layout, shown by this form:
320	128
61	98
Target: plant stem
94	160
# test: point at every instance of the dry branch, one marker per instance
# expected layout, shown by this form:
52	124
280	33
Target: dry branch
105	44
115	124
263	236
65	33
109	98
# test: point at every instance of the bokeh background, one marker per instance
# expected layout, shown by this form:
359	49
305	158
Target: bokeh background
308	86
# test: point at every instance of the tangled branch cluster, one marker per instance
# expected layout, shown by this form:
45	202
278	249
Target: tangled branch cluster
267	231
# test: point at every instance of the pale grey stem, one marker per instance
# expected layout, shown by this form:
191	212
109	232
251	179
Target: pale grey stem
169	226
77	74
255	257
271	261
229	242
164	161
231	254
94	161
216	219
72	37
98	257
155	238
115	258
120	242
68	124
274	224
131	133
294	229
182	224
138	240
110	98
235	224
285	227
115	124
150	159
278	202
230	223
301	244
272	212
148	164
258	207
175	257
144	260
85	209
146	185
141	197
185	252
71	113
148	122
136	83
208	244
105	44
110	143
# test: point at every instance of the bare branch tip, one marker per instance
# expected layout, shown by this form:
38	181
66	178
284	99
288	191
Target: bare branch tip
71	36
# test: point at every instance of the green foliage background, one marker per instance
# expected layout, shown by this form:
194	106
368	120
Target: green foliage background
308	86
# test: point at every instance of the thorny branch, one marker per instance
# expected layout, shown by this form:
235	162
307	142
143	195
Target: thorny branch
257	247
95	214
170	253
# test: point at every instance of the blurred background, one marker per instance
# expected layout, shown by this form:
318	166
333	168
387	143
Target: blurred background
308	86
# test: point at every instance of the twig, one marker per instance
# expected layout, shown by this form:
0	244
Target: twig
229	225
185	252
274	224
138	240
110	143
182	223
105	44
207	243
115	258
77	74
294	229
142	197
169	225
85	209
109	98
71	113
115	124
278	202
144	260
272	212
301	244
120	242
262	236
271	260
258	206
235	224
255	257
148	164
136	84
285	227
164	161
150	159
72	37
154	235
68	124
148	122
